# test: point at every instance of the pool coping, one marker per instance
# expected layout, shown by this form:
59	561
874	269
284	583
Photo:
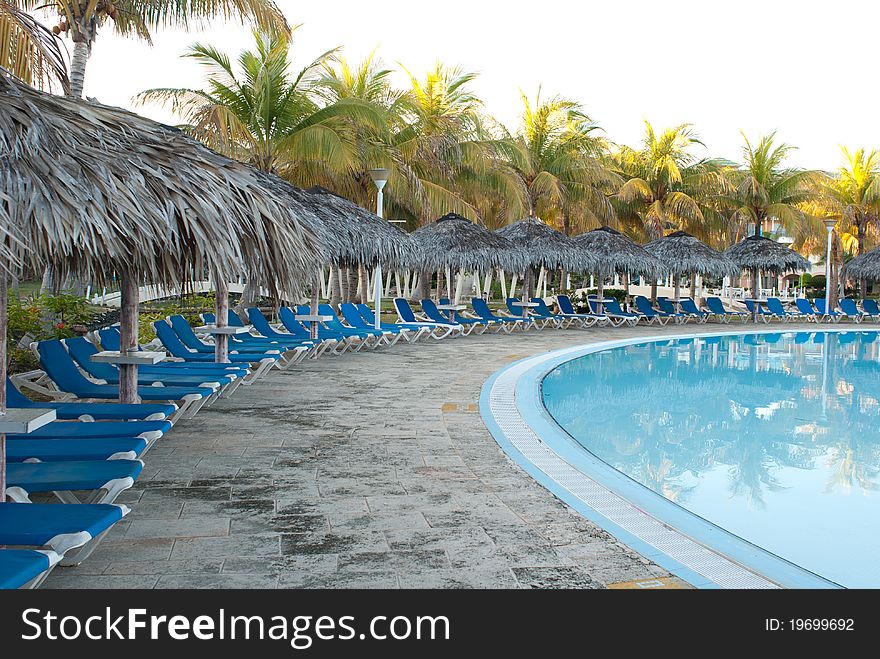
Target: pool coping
688	546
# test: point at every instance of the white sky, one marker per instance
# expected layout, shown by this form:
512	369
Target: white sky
802	67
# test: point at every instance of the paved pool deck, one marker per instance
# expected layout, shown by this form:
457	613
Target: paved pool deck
370	470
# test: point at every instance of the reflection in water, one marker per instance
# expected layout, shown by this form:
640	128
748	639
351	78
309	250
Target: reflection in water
773	437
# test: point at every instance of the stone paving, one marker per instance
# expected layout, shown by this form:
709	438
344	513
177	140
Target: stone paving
369	470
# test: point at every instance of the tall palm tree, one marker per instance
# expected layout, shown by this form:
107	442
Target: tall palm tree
28	50
764	189
855	192
563	175
82	18
667	186
261	113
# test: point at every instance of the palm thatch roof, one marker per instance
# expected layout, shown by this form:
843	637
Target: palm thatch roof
682	254
866	266
97	190
457	243
364	236
761	253
615	253
545	247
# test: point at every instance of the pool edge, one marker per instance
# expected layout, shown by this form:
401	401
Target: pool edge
748	558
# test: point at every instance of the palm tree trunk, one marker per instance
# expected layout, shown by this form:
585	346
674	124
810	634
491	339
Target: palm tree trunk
862	235
334	294
362	284
81	51
351	284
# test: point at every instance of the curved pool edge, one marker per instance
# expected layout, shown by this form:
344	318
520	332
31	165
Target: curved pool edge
688	546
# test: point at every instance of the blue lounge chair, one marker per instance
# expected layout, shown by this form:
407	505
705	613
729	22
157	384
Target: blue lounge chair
561	321
689	307
505	323
189	338
103	480
25	568
92	411
461	317
806	309
802	338
851	311
758	311
353	317
613	311
871	309
524	312
275	340
372	338
264	327
417	331
61	369
72	531
54	450
287	316
149	430
643	305
110	339
716	308
172	343
667	307
829	314
566	307
774	306
405	314
434	315
82	352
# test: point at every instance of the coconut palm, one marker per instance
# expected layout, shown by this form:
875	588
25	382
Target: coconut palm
855	192
262	114
28	50
764	189
137	18
667	186
563	175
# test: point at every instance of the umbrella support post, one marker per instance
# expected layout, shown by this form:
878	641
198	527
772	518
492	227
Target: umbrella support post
221	307
128	329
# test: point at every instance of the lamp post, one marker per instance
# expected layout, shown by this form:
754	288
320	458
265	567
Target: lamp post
380	178
829	226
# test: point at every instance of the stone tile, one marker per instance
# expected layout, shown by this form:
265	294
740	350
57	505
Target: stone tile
333	542
238	545
197	527
190	566
554	577
234	581
61	579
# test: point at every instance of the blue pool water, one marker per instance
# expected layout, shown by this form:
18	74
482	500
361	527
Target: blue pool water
774	438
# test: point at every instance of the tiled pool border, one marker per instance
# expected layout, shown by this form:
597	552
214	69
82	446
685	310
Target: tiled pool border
690	547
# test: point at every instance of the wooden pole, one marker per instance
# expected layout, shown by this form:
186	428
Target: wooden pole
221	308
313	326
128	329
4	321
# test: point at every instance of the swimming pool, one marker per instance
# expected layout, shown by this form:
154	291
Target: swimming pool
773	437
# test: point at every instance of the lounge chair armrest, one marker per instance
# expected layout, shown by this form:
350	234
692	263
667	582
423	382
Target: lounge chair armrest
37	381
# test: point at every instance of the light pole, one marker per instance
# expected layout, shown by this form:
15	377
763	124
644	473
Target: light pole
380	178
829	226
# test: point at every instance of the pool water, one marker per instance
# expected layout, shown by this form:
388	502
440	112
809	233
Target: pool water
772	437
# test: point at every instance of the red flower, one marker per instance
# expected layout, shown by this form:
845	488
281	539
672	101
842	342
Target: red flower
60	326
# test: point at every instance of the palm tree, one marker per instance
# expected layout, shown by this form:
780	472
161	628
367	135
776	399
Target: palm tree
262	114
82	18
765	190
28	50
667	186
563	175
855	193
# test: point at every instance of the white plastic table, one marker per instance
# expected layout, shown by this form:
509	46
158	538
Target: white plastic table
756	304
452	308
134	358
223	331
24	420
525	306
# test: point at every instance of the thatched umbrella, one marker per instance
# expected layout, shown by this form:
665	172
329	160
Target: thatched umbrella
760	254
544	247
455	243
866	266
682	254
101	192
614	253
